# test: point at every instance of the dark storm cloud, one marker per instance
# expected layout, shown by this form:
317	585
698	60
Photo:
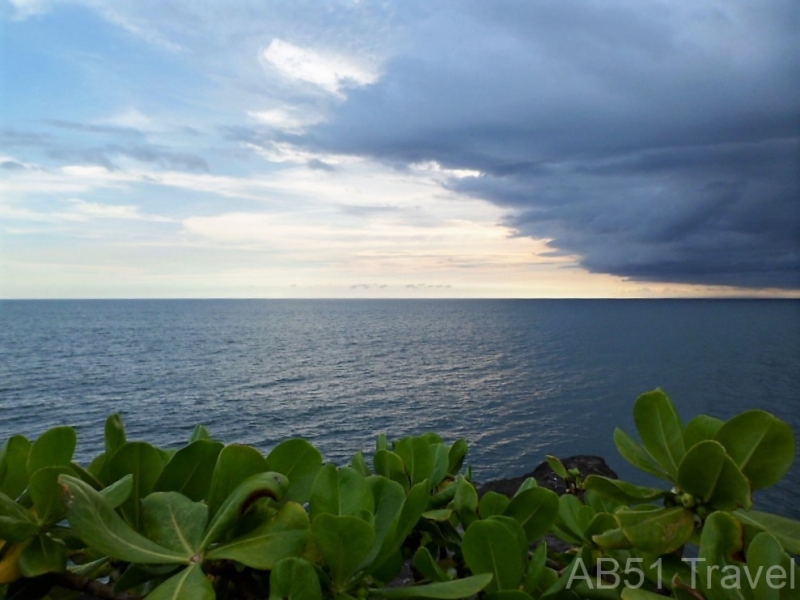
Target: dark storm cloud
656	141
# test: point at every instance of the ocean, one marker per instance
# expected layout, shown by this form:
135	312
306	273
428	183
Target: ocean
518	379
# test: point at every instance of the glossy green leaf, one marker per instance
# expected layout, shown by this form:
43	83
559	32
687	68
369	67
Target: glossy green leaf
190	470
43	555
622	491
283	536
46	493
418	458
456	455
116	493
761	445
340	491
427	565
54	448
137	575
572	519
517	531
261	485
700	429
600	502
660	531
381	442
721	544
528	484
635	454
390	465
235	463
344	542
707	472
173	521
535	509
144	463
13	464
102	529
448	590
611	539
492	503
600	523
661	430
114	434
786	531
86	475
489	547
639	594
294	579
300	462
189	584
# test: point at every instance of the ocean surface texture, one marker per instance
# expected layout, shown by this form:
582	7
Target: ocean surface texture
518	378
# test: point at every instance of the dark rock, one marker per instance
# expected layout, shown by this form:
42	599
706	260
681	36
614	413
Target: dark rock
545	477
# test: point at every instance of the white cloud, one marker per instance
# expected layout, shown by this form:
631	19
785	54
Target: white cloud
29	8
330	71
131	117
287	118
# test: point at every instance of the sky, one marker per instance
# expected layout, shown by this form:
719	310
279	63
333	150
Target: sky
399	148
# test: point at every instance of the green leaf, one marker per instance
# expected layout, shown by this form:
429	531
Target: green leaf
535	569
601	523
572	519
235	463
490	547
517	531
389	497
116	493
700	429
440	464
557	466
492	503
294	579
448	590
47	493
281	537
360	465
17	523
261	485
465	502
173	521
54	448
660	531
639	594
13	465
340	491
456	455
427	565
761	445
102	529
707	472
190	470
144	463
721	545
188	584
661	430
764	553
391	466
199	433
344	542
43	555
535	509
786	531
612	539
300	462
622	491
114	434
414	505
417	456
633	452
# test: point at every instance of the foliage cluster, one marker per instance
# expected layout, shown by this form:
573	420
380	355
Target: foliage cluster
225	521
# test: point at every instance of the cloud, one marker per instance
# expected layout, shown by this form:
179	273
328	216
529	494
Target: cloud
658	144
329	71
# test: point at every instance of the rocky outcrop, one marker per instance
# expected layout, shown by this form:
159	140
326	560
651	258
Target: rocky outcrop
545	477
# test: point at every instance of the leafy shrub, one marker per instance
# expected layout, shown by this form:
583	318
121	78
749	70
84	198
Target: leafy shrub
214	521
